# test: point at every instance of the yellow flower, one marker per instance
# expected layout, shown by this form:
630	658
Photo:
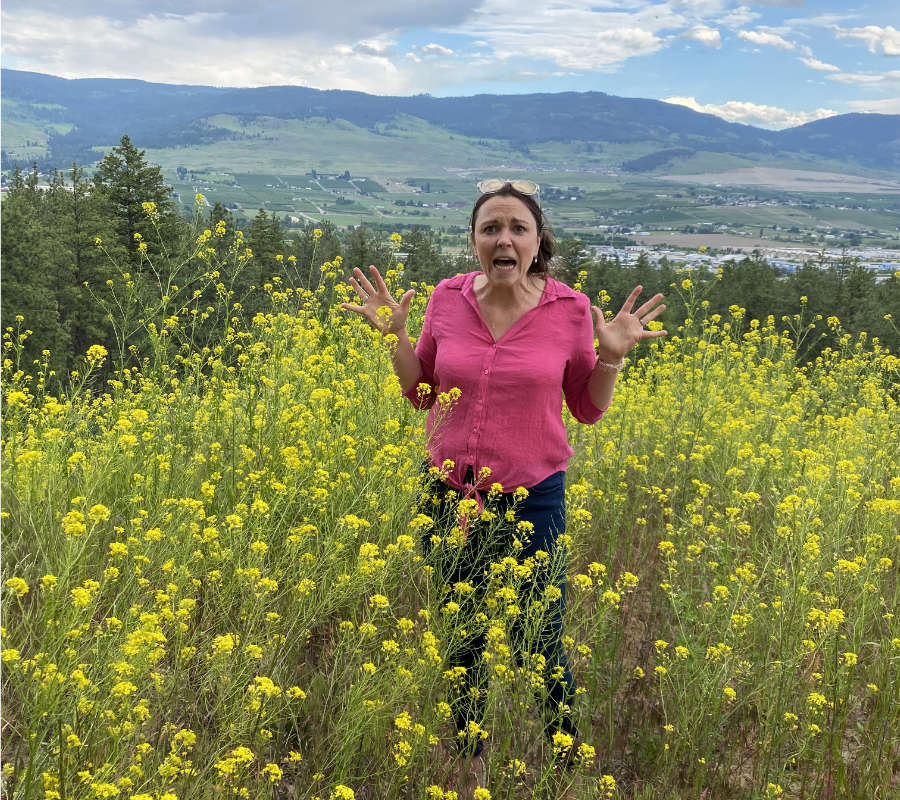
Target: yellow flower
17	586
607	787
224	645
96	353
98	513
815	701
403	721
379	601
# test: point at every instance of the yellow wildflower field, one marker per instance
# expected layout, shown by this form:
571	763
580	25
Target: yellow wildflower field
213	582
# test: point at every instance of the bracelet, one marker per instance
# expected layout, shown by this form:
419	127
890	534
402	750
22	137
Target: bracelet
606	366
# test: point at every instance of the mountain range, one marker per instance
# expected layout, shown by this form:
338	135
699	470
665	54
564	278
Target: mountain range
57	120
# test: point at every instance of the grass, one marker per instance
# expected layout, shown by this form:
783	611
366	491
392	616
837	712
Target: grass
212	581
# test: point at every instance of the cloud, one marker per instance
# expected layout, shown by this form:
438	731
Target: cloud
886	40
765	38
814	63
336	19
739	17
779	3
752	113
156	49
581	35
890	78
708	36
820	21
373	48
889	105
433	49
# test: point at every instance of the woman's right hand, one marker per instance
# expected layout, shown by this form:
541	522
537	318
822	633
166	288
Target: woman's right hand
374	299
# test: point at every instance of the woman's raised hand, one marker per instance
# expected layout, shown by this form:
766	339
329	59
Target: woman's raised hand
373	299
616	337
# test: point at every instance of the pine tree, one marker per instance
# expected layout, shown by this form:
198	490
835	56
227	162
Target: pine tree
126	182
423	256
85	269
29	272
311	251
266	241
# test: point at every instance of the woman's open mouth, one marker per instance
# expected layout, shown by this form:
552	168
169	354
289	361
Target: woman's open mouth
504	264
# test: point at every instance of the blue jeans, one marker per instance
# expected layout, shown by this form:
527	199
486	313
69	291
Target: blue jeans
488	543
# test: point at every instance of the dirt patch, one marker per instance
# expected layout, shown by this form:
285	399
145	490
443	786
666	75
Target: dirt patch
794	180
395	187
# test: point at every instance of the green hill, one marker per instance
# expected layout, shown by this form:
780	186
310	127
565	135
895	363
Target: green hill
57	121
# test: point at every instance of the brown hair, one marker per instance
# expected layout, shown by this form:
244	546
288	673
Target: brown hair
547	249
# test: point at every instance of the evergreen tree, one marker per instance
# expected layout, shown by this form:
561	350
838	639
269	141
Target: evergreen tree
751	284
363	248
312	251
125	181
29	273
859	298
423	257
573	258
84	270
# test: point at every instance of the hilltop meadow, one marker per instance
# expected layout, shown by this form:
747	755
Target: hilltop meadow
213	578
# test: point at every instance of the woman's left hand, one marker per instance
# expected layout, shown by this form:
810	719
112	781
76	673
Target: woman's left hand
617	337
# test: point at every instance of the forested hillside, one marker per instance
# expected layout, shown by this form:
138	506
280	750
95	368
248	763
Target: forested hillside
100	261
75	116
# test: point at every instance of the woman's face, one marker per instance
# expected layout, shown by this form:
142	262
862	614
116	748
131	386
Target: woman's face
506	240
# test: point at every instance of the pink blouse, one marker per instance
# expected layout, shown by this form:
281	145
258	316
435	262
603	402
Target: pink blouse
509	414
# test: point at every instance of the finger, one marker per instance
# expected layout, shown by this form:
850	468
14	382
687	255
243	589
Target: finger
407	299
353	308
648	305
363	295
645	318
653	334
630	300
366	283
597	313
379	281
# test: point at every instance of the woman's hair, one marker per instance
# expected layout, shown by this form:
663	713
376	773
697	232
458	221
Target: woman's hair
547	249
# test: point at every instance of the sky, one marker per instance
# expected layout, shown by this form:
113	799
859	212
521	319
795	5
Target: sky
771	63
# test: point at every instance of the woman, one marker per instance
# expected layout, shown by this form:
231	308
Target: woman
515	342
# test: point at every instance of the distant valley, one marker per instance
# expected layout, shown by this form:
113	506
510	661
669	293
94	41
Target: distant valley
607	165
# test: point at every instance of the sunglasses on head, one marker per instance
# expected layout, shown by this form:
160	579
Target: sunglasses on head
496	184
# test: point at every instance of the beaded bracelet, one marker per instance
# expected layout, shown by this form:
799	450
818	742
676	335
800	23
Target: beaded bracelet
606	366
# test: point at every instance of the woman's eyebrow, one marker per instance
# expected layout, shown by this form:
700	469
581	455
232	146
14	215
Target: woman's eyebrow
495	220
